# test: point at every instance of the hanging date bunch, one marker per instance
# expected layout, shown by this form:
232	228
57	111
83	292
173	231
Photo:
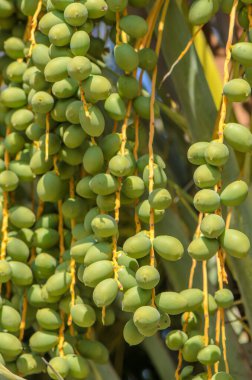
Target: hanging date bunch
83	190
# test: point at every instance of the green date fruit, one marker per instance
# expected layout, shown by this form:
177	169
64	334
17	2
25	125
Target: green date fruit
237	90
168	247
171	302
234	194
175	340
235	243
238	137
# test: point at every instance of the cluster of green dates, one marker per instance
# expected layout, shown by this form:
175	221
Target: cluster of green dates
59	109
45	91
192	342
210	158
203	11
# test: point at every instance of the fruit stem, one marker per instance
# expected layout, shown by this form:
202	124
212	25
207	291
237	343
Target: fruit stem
206	311
152	134
47	136
23	318
72	262
33	25
181	55
151	21
83	99
125	126
190	285
223	108
8	290
61	334
4	228
61	232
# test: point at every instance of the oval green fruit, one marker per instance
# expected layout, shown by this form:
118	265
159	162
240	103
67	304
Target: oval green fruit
115	107
103	184
192	347
168	247
97	272
142	107
30	364
133	25
105	292
206	176
8	180
146	317
14	47
126	278
94	350
235	243
10	345
56	69
134	298
147	277
21	274
237	90
50	187
79	68
131	334
143	210
96	8
104	226
203	248
171	302
196	153
238	137
45	238
160	178
147	59
49	20
60	34
76	14
10	319
194	298
5	271
13	97
58	284
241	52
128	87
206	201
133	187
224	298
212	226
96	87
22	217
17	250
175	340
93	160
80	43
83	315
64	88
234	194
126	57
60	365
93	123
137	246
209	354
78	366
48	319
40	56
200	12
160	199
216	154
